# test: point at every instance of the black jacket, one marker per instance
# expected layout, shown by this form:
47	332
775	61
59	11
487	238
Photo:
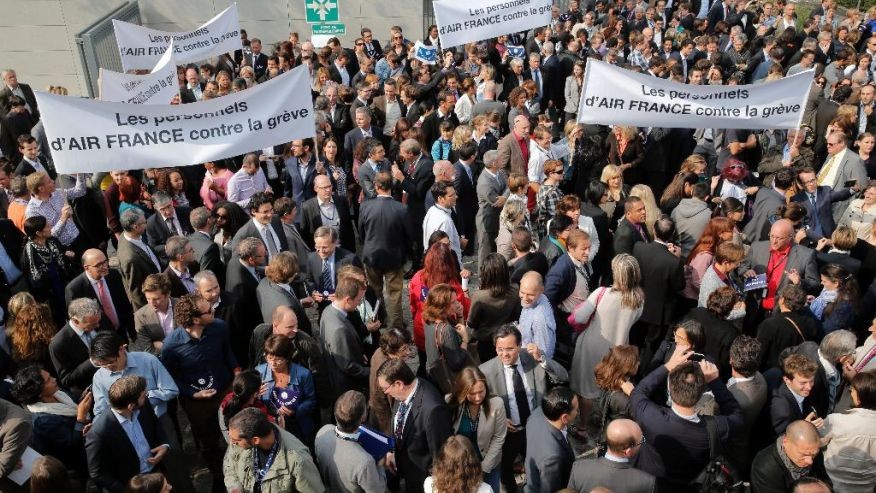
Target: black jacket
385	233
769	474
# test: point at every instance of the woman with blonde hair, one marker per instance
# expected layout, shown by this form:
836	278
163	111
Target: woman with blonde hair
461	135
695	164
613	178
861	213
513	215
548	195
480	416
456	469
606	318
652	212
625	150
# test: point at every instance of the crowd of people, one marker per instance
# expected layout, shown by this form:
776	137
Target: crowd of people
454	286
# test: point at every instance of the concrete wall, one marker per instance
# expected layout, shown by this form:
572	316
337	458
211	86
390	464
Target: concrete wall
38	35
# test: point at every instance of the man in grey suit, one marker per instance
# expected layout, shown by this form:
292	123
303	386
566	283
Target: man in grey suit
287	210
492	190
136	258
263	226
623	439
375	163
343	464
343	346
841	167
207	252
783	262
549	455
767	200
520	378
750	390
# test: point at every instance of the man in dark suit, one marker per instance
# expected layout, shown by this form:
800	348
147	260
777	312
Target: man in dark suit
623	439
362	117
181	266
467	200
416	178
12	87
127	441
386	236
338	113
662	281
136	259
831	354
242	277
817	201
256	59
31	160
327	209
720	11
749	388
515	366
679	434
105	285
208	255
420	422
631	229
799	449
300	171
514	78
687	57
344	351
287	210
170	221
549	456
70	347
263	226
446	101
375	163
792	400
323	265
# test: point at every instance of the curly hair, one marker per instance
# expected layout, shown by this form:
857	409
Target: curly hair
28	385
16	303
186	310
32	333
162	182
438	303
457	467
129	189
616	367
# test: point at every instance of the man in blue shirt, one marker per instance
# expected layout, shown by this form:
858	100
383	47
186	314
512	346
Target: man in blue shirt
198	356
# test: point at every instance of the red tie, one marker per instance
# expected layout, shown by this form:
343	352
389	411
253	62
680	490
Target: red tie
106	304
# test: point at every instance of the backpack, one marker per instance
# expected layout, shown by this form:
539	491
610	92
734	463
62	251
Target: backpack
718	476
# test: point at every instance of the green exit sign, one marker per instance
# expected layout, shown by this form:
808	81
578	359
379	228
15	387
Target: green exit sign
320	11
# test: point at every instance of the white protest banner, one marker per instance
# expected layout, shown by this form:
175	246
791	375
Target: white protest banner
475	20
158	87
141	47
616	96
87	135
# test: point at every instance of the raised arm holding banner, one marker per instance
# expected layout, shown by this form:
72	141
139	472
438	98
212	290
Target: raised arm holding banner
616	96
88	136
474	20
141	47
158	87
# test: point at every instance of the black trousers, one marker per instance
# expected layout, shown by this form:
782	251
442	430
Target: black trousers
202	415
515	443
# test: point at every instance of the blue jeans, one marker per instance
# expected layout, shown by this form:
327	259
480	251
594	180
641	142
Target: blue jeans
492	479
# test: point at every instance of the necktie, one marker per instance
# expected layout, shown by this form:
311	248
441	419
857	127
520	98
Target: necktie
106	304
271	244
536	75
188	282
822	175
87	337
400	420
326	276
173	226
812	200
520	395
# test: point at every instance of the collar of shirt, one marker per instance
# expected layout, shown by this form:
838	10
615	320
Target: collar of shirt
443	209
784	251
829	367
797	397
325	203
35	201
614	458
92	280
76	329
694	418
410	397
734	380
137	241
285	286
218	302
349	436
180	274
122	419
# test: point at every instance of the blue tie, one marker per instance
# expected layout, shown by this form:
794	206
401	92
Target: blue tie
400	423
326	276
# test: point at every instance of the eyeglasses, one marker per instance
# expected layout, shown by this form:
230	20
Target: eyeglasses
99	264
642	442
832	144
360	44
774	237
396	37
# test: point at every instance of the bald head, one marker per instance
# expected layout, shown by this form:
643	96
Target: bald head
531	289
802	432
781	234
92	256
532	279
284	321
623	437
443	171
